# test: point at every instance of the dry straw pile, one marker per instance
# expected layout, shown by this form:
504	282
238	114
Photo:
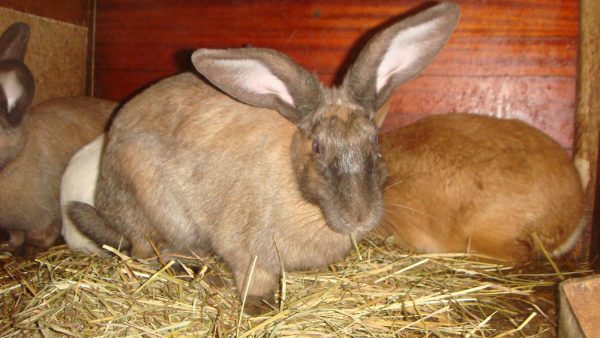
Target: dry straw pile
378	290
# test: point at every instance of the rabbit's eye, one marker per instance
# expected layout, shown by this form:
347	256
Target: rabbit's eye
315	147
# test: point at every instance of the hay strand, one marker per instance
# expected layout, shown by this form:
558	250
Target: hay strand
386	291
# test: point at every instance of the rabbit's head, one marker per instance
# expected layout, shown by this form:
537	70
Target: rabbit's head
334	150
16	89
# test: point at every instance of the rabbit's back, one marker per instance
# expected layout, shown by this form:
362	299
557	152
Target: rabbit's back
190	111
468	182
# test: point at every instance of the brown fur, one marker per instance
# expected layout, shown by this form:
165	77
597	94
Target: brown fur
463	183
188	168
219	199
49	135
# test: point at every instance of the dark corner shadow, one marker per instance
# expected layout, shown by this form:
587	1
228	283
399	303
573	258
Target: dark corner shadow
183	60
358	45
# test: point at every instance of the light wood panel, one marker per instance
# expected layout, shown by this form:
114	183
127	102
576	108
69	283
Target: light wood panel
588	124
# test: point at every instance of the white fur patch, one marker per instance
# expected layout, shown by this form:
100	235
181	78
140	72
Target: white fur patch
572	239
256	77
350	163
13	89
583	168
404	50
79	184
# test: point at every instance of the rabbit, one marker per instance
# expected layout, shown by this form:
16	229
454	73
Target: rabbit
79	184
35	145
269	170
472	183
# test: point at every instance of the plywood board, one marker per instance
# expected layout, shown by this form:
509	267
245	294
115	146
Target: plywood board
56	54
579	307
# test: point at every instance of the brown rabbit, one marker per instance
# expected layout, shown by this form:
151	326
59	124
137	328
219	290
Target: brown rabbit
35	146
474	183
293	168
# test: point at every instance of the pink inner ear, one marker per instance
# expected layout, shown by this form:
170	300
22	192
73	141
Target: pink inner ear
13	89
254	77
405	50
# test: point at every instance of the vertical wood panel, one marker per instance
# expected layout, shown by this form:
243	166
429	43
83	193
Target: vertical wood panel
588	120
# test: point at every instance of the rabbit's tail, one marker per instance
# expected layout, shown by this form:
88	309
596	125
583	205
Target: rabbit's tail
570	242
93	225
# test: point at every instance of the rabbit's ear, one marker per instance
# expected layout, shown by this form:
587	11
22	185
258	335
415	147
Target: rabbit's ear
13	41
261	77
399	53
16	91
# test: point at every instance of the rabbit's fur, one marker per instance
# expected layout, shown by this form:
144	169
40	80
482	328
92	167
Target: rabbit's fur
474	183
286	177
79	184
35	145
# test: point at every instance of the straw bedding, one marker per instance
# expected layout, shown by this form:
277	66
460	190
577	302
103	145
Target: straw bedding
378	290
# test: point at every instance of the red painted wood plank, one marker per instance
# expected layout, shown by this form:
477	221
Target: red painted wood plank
530	38
545	102
468	56
497	18
72	11
507	57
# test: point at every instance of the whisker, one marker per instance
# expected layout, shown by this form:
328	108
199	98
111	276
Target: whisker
310	219
313	221
413	210
309	216
403	180
393	184
389	220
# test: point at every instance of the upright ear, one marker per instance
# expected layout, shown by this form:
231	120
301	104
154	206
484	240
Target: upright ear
262	78
16	91
13	42
399	53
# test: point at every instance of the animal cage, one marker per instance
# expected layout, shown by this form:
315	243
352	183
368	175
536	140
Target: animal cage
536	61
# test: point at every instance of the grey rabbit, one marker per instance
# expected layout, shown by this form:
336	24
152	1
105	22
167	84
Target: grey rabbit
275	163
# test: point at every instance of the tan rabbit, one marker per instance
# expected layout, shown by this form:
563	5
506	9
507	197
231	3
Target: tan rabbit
292	167
35	146
474	183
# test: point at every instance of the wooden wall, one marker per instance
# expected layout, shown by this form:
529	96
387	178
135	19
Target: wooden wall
507	58
57	53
